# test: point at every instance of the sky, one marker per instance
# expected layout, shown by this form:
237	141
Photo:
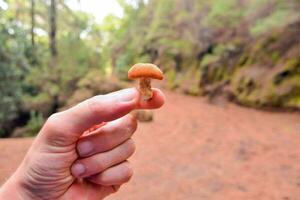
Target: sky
98	8
3	5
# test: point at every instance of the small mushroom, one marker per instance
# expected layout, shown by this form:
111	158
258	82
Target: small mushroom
145	72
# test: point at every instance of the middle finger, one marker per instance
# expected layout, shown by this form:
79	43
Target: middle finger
97	163
107	137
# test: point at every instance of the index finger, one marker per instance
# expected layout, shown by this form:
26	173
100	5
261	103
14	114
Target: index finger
101	108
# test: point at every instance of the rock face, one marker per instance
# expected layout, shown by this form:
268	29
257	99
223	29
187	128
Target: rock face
270	72
257	72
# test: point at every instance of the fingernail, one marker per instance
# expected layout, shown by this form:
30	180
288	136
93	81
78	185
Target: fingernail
78	169
85	148
127	95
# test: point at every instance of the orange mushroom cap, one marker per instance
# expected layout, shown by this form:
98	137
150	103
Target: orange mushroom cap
145	70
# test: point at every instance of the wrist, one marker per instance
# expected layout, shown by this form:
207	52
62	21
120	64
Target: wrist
12	190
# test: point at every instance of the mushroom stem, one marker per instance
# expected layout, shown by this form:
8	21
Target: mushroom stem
145	88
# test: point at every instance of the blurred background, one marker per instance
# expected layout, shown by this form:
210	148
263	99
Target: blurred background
56	53
219	57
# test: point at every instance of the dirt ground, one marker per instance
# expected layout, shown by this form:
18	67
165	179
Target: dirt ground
195	150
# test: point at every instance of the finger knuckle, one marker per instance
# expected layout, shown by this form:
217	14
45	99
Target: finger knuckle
132	123
101	165
94	165
128	172
56	131
131	146
93	105
52	123
108	141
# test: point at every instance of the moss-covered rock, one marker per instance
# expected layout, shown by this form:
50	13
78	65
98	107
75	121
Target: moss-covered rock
262	86
261	72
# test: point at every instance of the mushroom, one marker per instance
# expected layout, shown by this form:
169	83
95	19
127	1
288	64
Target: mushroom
145	72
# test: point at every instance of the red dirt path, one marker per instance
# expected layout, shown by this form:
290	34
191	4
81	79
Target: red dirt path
194	150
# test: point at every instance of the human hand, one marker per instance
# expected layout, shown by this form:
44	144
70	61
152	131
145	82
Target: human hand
61	157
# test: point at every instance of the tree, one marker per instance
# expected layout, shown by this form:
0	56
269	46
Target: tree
32	30
13	67
52	34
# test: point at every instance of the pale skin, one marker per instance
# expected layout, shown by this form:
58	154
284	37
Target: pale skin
63	164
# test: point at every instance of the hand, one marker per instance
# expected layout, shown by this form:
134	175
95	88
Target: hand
61	157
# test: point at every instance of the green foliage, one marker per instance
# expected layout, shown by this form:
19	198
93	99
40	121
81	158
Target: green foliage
228	12
47	84
191	81
274	20
34	125
171	79
209	59
13	68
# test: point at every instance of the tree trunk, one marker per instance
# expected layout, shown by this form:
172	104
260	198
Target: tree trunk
52	34
32	29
